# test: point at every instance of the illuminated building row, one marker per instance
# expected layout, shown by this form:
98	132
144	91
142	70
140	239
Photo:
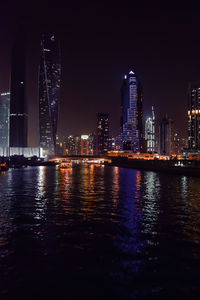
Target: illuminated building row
194	112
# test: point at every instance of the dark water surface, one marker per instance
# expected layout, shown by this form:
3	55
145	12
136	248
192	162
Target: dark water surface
96	232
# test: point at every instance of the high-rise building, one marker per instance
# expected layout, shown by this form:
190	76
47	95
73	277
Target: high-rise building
112	143
194	117
150	133
102	133
49	92
132	114
91	144
80	145
73	145
4	119
166	136
18	113
179	144
85	143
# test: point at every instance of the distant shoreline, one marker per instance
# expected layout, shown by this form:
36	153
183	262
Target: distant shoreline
185	168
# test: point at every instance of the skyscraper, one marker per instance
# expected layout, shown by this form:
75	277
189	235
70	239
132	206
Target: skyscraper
18	113
4	119
132	114
49	92
150	133
166	136
194	117
102	133
85	144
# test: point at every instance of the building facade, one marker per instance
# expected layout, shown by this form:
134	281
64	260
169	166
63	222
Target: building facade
73	145
132	114
102	135
80	145
4	119
19	151
150	133
49	93
194	117
18	109
179	144
85	144
166	133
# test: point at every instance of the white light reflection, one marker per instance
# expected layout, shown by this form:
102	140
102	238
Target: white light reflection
115	187
40	196
66	182
184	187
151	207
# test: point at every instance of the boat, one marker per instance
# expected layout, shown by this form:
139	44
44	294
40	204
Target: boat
3	167
65	164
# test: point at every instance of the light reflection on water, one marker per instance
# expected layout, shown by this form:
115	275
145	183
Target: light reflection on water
135	233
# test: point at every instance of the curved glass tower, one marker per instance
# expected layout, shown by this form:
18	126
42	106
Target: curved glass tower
49	92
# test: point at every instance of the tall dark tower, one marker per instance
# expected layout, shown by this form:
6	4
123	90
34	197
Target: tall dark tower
102	133
166	133
18	113
193	117
49	92
132	114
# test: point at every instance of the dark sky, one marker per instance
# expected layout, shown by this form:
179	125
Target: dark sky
100	42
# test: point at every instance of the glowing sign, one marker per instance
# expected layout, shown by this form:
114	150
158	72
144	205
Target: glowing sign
84	137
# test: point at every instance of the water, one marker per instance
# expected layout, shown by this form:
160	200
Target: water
95	232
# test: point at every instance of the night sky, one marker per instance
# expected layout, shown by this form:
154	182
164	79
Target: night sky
100	43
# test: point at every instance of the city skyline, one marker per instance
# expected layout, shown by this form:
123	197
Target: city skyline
49	91
99	150
97	70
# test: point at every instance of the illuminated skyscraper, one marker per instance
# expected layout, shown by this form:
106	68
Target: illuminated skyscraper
132	114
49	92
85	143
18	114
73	145
4	119
194	117
102	133
150	133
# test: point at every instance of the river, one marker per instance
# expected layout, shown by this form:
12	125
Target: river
98	232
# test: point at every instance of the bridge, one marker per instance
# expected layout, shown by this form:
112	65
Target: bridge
80	159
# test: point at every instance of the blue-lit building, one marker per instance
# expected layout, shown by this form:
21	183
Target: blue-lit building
4	119
132	114
49	92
